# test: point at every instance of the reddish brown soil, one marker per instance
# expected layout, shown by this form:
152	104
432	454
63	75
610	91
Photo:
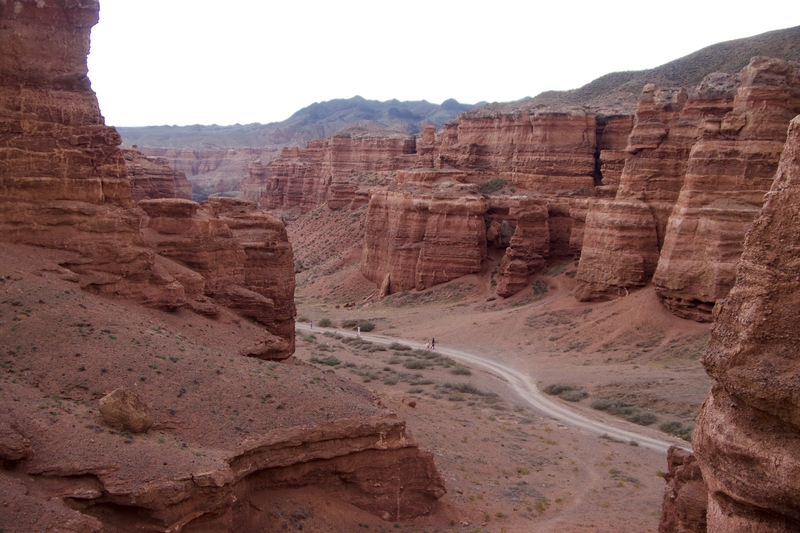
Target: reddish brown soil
507	467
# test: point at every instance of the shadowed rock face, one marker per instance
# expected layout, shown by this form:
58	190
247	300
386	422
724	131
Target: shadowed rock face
242	255
748	437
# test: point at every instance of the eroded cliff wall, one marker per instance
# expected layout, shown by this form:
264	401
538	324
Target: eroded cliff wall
700	163
747	440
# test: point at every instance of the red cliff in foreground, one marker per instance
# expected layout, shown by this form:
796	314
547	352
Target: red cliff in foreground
120	416
747	441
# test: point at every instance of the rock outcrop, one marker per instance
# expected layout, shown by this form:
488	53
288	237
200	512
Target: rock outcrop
700	162
729	169
329	169
743	474
64	187
63	181
242	255
420	233
151	177
747	440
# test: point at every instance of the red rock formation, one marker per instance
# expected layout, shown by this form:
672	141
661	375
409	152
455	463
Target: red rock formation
151	177
747	440
541	150
325	169
694	151
63	180
728	172
529	246
243	256
419	234
686	495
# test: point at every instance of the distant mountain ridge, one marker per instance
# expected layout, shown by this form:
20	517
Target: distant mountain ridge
316	121
618	91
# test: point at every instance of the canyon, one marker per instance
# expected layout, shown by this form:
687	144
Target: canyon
149	381
663	196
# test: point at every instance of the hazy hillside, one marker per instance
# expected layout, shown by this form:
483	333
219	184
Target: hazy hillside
620	89
319	120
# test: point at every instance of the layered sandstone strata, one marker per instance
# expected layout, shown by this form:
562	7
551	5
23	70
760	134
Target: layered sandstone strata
420	234
326	169
747	440
730	168
151	177
528	248
242	255
700	162
63	181
541	150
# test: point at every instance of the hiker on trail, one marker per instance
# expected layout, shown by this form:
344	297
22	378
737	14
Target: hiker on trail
359	331
433	343
428	345
311	324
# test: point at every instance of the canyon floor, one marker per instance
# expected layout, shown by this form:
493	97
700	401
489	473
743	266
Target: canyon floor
508	467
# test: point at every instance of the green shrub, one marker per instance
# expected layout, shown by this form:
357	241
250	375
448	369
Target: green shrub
610	405
492	185
399	347
573	395
554	389
324	323
461	371
365	325
330	361
642	418
467	388
415	364
349	323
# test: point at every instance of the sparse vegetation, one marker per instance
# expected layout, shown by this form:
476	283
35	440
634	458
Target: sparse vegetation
678	429
324	322
566	392
492	185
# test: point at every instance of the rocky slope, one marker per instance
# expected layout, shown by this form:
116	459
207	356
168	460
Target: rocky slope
747	441
91	399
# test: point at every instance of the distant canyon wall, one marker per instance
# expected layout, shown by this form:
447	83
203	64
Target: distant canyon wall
663	196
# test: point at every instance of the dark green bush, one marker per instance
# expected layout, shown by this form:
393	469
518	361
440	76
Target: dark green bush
492	185
399	347
324	323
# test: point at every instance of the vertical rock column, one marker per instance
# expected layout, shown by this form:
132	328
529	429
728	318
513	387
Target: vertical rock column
730	168
747	439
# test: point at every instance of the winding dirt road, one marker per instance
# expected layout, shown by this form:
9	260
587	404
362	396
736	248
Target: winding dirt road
523	385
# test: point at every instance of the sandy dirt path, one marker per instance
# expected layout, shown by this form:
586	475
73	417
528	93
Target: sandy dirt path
523	385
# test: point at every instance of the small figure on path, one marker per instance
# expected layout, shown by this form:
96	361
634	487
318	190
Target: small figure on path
428	345
433	343
359	331
311	324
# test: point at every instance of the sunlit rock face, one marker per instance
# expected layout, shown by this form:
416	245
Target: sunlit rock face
151	177
729	169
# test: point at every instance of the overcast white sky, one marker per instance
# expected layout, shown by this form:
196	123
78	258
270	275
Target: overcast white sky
182	62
